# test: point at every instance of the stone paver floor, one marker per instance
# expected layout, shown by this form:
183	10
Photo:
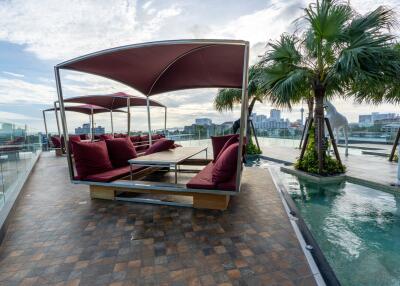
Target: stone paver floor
58	236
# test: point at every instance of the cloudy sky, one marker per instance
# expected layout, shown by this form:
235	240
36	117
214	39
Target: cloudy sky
36	35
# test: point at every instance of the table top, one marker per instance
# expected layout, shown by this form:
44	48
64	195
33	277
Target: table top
172	156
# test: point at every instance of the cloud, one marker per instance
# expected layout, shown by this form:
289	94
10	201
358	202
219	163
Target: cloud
63	29
13	74
18	91
11	116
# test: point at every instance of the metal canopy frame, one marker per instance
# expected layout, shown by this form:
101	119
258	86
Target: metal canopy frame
151	185
56	109
149	103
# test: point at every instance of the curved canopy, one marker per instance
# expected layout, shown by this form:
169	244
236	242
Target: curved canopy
113	101
86	109
158	67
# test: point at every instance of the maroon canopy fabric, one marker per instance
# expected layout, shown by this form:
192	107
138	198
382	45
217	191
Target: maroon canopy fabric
86	109
113	101
158	67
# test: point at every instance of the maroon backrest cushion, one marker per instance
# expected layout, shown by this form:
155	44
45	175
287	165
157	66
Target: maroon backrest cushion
120	150
135	138
218	143
160	145
232	140
106	137
225	167
73	138
56	141
91	158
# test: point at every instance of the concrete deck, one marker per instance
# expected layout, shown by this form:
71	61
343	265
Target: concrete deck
375	169
58	236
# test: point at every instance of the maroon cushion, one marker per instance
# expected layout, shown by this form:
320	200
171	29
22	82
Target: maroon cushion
106	137
56	141
120	151
203	179
73	138
91	158
225	167
218	143
160	145
113	174
233	139
135	138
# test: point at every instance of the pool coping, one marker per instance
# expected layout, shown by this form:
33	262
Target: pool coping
340	178
320	268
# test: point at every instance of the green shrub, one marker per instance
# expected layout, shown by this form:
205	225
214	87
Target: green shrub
309	163
252	149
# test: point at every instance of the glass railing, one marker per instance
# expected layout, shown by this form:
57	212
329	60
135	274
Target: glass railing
19	149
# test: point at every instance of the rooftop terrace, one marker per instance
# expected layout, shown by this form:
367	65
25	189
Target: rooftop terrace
59	236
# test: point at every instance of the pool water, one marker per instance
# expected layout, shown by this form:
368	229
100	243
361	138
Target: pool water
357	228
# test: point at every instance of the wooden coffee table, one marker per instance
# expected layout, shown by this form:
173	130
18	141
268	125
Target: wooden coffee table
169	158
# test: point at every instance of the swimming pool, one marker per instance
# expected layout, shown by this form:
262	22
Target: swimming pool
357	228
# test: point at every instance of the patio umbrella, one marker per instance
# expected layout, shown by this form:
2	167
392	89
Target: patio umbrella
116	101
88	109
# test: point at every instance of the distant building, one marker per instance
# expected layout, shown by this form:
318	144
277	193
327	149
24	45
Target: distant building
203	121
275	114
371	119
85	129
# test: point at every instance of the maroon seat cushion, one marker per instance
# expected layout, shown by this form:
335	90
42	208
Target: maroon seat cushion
56	141
106	137
203	179
218	143
91	158
120	150
113	174
160	145
225	167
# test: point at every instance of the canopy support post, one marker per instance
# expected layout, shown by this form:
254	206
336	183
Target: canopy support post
45	128
57	121
243	116
64	122
148	120
112	123
128	104
92	124
165	121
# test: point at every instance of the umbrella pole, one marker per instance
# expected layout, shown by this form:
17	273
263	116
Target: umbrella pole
148	120
112	123
128	104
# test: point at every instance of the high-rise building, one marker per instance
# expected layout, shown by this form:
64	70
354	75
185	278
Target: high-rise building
275	114
203	121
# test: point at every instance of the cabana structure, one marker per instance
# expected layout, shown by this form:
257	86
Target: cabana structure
88	109
155	68
117	101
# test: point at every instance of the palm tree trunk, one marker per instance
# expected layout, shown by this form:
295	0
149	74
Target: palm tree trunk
249	112
319	92
310	104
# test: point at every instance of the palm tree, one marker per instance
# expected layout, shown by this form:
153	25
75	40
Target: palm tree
227	98
337	52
